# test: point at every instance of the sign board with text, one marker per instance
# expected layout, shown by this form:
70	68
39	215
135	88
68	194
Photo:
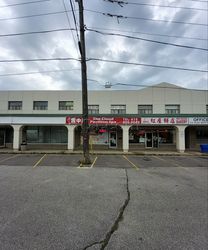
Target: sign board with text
139	121
164	120
104	120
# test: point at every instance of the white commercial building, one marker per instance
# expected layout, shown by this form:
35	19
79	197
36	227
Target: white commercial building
161	117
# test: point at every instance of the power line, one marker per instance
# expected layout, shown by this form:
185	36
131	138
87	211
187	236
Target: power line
147	65
67	16
35	15
122	3
36	32
144	19
101	60
150	86
110	84
24	3
40	59
75	21
147	40
201	1
150	34
37	72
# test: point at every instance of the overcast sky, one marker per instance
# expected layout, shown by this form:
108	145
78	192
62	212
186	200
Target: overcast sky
67	74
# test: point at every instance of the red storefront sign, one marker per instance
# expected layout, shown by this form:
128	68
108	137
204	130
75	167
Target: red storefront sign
104	120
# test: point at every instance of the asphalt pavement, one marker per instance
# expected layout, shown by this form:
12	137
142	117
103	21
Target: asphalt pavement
117	202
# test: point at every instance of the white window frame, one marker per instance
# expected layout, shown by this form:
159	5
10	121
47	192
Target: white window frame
70	105
145	109
12	106
40	107
93	109
118	109
172	109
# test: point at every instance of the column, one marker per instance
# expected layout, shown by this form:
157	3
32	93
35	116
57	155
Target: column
70	145
125	138
17	136
180	138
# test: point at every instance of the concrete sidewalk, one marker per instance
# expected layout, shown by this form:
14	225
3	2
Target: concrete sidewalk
105	152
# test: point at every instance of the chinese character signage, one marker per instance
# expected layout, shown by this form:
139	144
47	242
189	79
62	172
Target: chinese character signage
164	120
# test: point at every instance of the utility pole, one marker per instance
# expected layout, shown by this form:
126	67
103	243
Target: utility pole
85	125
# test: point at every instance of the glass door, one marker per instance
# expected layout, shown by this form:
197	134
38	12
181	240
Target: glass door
112	139
155	140
149	140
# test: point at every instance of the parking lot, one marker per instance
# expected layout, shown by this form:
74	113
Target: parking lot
49	201
104	161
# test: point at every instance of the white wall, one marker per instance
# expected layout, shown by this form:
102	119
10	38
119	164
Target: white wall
191	102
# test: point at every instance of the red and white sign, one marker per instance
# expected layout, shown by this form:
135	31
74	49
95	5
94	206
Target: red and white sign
104	120
164	120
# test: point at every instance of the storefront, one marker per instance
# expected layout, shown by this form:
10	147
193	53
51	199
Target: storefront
104	132
101	137
45	137
141	137
6	136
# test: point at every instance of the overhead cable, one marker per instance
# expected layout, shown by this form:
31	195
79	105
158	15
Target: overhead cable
100	60
69	23
147	65
35	15
24	3
37	72
147	40
149	34
39	59
35	32
122	3
145	19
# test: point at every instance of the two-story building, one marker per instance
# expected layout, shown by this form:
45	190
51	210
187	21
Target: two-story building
161	117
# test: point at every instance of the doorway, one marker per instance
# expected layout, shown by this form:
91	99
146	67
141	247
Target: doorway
148	139
2	138
112	139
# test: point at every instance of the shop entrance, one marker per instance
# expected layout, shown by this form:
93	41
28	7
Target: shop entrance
112	139
149	140
2	138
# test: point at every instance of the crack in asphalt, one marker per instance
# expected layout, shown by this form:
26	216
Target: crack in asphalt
115	225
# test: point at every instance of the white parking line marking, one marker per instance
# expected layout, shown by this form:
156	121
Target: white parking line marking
39	161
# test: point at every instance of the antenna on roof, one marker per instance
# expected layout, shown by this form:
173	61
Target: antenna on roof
108	85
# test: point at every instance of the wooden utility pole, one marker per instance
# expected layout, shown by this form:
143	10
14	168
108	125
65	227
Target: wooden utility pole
85	125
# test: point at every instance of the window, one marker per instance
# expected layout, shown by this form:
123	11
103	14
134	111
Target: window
207	108
66	105
144	109
40	105
15	105
172	109
46	134
118	109
93	109
202	133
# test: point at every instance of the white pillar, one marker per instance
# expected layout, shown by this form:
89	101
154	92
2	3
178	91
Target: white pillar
17	136
70	145
125	138
180	138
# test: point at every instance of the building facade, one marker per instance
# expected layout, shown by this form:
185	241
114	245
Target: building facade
161	117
